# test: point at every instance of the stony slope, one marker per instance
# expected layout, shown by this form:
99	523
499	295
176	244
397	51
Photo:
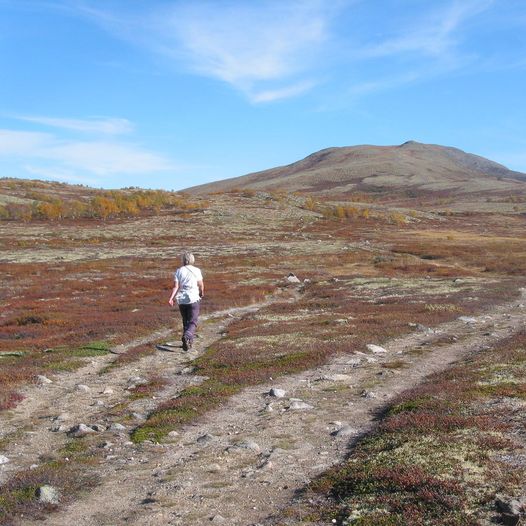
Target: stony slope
412	166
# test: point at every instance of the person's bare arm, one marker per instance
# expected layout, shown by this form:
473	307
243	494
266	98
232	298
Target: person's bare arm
201	286
174	292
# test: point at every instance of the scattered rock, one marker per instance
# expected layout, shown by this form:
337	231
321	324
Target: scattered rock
62	417
205	439
107	391
214	468
277	393
266	465
138	416
292	278
299	406
58	428
217	519
135	381
3	460
48	494
82	388
116	427
467	319
269	408
173	434
43	380
187	370
80	430
376	349
354	362
345	431
100	428
249	445
367	394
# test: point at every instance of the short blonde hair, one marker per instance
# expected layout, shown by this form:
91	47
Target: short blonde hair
187	258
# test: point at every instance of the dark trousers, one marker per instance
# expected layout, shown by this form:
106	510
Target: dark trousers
190	314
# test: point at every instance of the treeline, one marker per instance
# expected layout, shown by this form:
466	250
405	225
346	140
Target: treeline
106	205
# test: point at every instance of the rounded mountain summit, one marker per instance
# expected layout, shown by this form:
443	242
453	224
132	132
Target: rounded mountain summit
409	167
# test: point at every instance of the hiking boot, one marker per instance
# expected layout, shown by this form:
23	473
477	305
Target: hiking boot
185	344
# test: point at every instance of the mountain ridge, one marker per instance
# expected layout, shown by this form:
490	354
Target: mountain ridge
410	165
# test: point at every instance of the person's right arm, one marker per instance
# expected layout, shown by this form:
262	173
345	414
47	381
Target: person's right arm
174	292
201	287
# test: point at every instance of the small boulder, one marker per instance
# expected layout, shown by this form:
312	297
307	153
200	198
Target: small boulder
345	431
467	319
367	394
43	380
205	439
376	349
277	393
48	495
107	391
80	430
292	278
3	460
247	445
82	388
117	428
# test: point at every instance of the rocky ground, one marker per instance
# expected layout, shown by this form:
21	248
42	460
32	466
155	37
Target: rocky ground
243	462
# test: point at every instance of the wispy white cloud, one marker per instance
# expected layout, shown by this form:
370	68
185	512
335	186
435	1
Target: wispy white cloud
434	34
69	159
271	50
267	49
282	93
97	125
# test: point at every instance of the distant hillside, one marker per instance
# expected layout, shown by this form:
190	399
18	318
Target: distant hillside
27	200
412	166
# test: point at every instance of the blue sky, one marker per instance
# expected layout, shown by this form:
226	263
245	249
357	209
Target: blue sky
174	93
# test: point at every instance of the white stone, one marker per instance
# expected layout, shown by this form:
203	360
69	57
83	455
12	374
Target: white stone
292	278
345	431
82	388
300	406
48	495
277	393
108	391
467	319
117	427
43	380
3	459
376	349
80	430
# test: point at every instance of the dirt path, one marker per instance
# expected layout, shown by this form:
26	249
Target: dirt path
245	461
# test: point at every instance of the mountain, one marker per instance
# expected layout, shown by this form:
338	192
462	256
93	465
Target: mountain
411	166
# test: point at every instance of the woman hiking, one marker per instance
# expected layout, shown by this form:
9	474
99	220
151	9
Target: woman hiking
188	291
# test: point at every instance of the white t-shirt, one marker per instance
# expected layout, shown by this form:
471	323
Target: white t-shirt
187	277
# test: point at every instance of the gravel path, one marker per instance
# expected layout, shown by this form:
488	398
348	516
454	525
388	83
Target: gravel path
239	464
